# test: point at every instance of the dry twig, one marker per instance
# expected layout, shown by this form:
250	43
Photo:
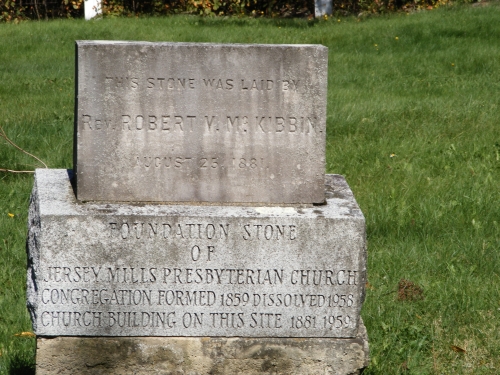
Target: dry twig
3	135
14	171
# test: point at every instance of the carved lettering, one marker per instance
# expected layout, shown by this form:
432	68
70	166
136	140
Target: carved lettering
170	83
136	230
206	123
149	275
269	232
324	277
227	320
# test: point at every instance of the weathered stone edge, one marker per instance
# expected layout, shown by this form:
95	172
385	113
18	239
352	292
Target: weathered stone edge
203	355
33	255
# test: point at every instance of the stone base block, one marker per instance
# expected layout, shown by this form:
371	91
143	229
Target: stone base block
202	355
97	269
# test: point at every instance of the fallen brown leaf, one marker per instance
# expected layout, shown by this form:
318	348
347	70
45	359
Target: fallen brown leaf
457	349
25	334
409	291
404	366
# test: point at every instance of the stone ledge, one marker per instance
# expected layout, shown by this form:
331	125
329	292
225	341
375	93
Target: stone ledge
326	240
202	355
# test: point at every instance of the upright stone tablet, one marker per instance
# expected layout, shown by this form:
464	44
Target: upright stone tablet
165	122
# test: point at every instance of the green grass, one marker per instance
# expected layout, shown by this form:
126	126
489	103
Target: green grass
423	88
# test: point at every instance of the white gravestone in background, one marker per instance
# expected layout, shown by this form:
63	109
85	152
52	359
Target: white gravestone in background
92	8
323	7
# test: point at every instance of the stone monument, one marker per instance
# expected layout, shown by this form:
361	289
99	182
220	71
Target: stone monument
92	8
197	233
323	8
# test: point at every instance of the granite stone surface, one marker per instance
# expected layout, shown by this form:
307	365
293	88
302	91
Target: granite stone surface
181	122
202	355
111	269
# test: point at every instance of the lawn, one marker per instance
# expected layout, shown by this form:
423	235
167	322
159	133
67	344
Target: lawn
413	124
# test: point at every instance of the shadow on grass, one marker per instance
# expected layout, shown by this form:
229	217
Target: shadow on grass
21	366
